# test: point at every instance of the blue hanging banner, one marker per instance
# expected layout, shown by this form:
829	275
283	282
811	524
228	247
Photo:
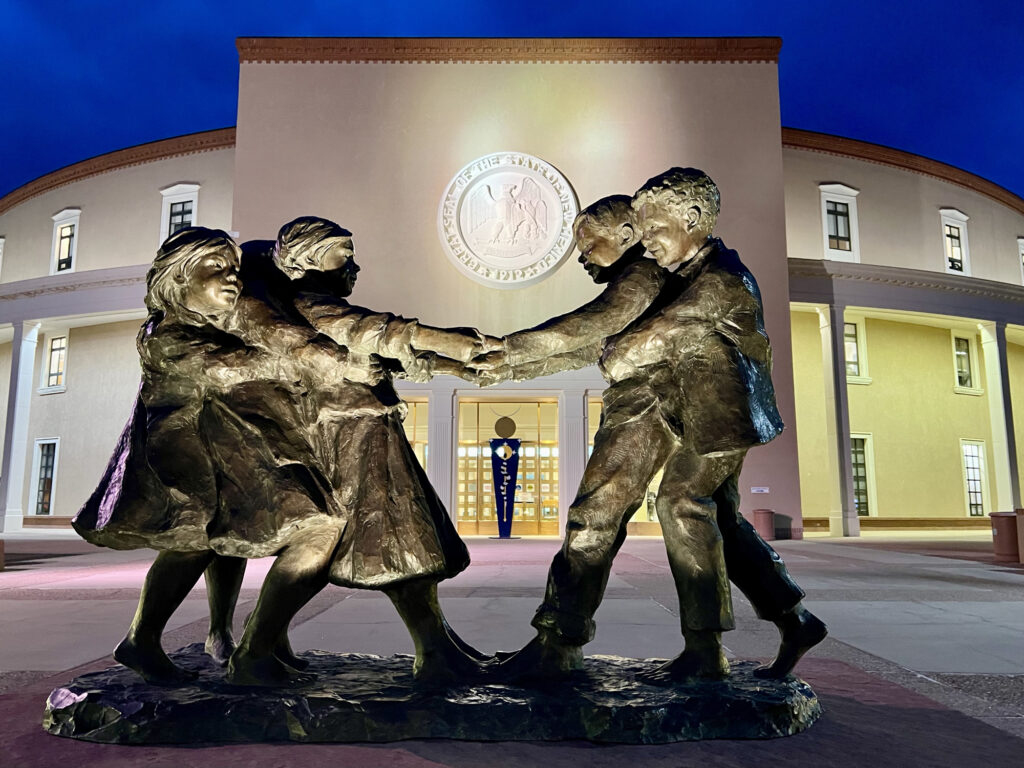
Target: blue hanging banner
504	467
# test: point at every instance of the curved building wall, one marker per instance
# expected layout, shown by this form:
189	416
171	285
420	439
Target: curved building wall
899	216
891	410
120	218
102	380
95	308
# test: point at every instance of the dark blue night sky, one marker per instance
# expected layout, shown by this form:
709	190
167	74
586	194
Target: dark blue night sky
940	79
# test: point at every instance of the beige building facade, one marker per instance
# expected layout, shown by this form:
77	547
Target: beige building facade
893	285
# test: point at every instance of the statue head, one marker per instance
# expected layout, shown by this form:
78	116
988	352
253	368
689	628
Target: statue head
604	231
313	244
195	276
676	212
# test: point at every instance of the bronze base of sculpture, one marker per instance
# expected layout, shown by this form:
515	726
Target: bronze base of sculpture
363	698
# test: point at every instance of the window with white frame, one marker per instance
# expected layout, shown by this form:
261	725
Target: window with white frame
855	351
862	464
1020	255
179	208
975	482
44	475
954	241
851	343
55	358
65	240
839	222
966	378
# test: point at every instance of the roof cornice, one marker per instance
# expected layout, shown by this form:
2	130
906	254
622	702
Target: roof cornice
508	49
902	277
190	144
897	289
795	138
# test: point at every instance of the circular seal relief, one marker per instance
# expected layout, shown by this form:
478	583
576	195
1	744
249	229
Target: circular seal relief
506	219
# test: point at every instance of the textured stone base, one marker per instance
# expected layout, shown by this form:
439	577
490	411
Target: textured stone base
369	698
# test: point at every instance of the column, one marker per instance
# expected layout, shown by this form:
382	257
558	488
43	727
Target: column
441	444
843	514
572	448
19	401
1004	444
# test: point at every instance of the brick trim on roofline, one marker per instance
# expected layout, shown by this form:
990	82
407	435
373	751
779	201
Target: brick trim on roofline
508	49
824	143
190	144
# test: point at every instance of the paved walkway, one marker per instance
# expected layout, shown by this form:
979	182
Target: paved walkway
925	665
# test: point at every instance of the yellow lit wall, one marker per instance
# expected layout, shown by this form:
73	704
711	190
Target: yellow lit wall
1015	365
917	421
914	417
812	436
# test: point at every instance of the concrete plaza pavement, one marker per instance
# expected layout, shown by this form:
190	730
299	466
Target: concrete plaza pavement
924	665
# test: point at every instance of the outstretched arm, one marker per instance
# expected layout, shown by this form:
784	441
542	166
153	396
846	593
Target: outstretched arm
410	342
293	343
622	302
569	361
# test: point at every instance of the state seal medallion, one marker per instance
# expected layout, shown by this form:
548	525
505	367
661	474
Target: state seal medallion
506	219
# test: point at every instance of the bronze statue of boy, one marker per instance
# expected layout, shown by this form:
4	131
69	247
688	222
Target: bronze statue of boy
690	393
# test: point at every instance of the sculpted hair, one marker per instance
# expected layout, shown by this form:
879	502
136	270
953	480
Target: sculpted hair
681	188
607	213
176	261
296	238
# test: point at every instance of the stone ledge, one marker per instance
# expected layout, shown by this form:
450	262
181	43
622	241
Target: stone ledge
362	698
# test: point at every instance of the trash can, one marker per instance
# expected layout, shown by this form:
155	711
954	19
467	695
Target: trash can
1004	537
764	523
1020	535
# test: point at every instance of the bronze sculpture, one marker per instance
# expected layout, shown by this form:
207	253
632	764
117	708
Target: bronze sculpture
400	538
161	486
689	366
268	424
230	452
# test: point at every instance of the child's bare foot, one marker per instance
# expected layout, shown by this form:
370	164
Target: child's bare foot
149	660
541	658
447	666
702	659
696	665
284	653
266	672
801	630
219	646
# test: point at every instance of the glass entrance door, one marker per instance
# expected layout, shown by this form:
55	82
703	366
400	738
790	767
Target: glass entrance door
536	500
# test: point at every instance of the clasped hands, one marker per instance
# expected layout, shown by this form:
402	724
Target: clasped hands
460	354
449	351
490	366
